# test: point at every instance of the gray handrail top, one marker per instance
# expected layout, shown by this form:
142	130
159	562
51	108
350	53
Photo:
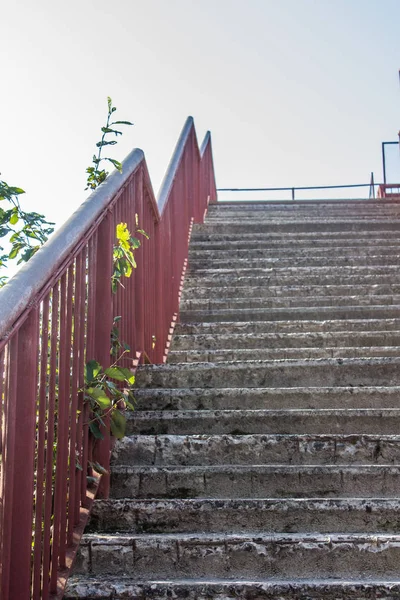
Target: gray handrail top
170	173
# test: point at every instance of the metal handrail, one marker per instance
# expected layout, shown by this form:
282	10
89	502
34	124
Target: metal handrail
293	189
56	314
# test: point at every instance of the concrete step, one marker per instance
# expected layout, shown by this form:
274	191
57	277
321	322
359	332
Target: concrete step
358	205
333	515
231	293
292	241
351	249
249	205
337	555
207	345
215	356
204	304
199	267
302	273
313	277
305	215
301	313
302	449
305	326
265	421
267	398
120	588
296	225
279	373
255	481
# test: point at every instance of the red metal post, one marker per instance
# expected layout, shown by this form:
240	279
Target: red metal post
102	332
24	447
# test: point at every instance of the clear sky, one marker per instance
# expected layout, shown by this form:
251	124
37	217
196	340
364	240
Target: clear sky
295	92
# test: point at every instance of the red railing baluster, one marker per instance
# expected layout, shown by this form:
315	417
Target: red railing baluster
103	324
41	442
23	464
48	504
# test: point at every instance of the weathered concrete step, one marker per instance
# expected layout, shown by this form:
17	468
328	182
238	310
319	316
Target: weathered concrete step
207	345
284	373
292	242
120	588
246	205
203	286
290	270
262	481
200	267
285	327
267	398
343	515
301	313
242	555
323	214
295	225
265	421
331	448
314	251
320	216
211	294
194	304
243	208
215	356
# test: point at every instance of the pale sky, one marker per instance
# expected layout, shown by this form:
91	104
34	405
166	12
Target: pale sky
295	92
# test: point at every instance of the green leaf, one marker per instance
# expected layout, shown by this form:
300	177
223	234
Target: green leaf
143	233
105	143
135	242
116	163
121	123
14	219
99	469
115	373
15	251
95	429
15	191
92	369
118	424
100	397
129	376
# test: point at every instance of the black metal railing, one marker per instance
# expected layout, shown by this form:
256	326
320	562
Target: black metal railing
293	189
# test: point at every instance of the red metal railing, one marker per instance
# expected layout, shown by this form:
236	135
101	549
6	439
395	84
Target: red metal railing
56	314
389	190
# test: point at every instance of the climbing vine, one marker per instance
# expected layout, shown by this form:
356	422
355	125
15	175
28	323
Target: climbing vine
108	390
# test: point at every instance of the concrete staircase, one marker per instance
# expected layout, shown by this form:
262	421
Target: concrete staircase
263	461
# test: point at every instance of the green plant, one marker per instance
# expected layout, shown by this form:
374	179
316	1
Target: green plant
96	175
24	231
108	391
123	253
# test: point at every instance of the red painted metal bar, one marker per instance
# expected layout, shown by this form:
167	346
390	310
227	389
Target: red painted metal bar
389	190
56	315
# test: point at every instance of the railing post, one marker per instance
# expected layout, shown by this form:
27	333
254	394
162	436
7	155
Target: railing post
139	274
21	515
102	332
293	193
